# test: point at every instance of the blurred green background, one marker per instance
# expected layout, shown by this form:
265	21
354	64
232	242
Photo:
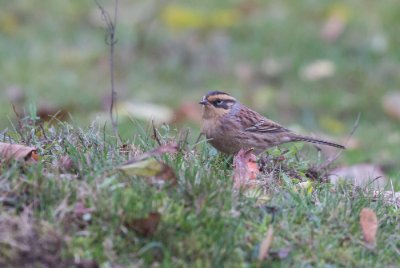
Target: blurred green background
314	64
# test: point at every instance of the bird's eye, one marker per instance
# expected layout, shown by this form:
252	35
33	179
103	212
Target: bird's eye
218	102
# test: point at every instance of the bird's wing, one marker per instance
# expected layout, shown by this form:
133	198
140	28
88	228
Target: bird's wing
266	126
252	121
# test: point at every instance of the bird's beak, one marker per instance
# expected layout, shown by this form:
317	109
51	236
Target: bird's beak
203	101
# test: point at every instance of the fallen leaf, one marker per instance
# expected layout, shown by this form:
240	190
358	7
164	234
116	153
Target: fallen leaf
317	70
245	168
17	152
146	168
266	244
360	174
390	103
158	172
369	226
145	226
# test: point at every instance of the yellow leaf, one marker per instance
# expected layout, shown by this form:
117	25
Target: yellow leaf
147	168
157	173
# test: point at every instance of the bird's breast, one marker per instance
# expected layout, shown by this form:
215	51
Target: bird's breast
210	127
221	134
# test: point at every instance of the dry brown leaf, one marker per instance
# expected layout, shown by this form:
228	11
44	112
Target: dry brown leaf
369	226
245	168
17	152
145	226
266	244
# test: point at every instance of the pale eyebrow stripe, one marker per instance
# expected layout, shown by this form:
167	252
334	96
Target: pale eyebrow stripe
221	97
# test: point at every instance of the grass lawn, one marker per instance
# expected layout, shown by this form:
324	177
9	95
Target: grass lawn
74	207
89	210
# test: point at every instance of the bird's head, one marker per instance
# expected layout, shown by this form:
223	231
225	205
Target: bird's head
216	104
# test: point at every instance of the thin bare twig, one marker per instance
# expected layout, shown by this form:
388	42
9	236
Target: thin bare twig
19	120
111	41
155	136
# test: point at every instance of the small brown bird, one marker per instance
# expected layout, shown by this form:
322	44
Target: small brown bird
231	126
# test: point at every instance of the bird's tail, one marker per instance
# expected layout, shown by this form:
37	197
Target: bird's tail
315	140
